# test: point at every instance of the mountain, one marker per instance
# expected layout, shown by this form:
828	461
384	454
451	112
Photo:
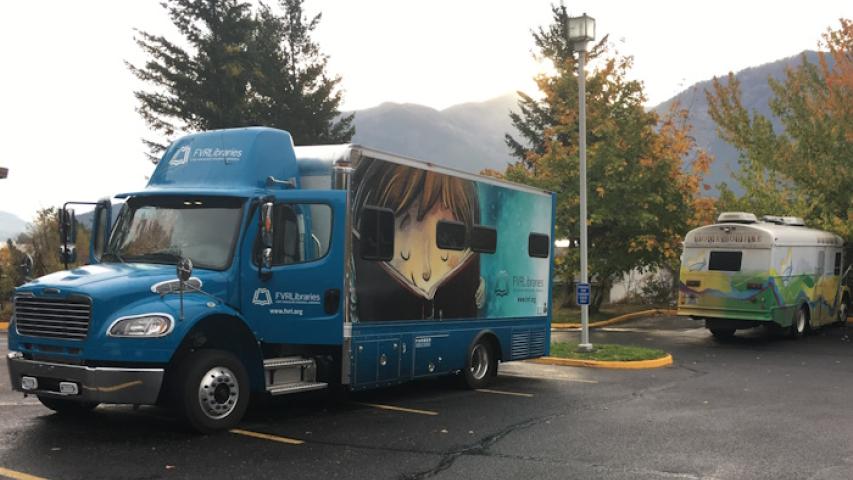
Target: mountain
468	136
756	95
10	226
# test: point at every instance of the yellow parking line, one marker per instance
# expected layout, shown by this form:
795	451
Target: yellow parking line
5	472
266	436
398	409
502	392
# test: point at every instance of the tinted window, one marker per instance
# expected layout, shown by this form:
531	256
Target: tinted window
450	235
538	245
725	261
376	234
837	269
484	239
301	232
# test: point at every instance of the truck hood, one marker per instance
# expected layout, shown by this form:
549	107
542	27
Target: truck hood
117	281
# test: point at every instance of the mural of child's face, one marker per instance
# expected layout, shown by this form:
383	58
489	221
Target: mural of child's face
417	257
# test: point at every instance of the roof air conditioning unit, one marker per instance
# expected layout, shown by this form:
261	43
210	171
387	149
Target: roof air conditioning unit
794	221
737	217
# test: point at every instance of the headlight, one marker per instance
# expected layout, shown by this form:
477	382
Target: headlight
149	325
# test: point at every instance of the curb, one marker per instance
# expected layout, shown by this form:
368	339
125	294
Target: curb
627	365
621	318
4	326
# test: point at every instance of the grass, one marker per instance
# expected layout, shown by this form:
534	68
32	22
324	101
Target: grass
573	315
606	351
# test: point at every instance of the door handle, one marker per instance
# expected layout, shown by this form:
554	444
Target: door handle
332	301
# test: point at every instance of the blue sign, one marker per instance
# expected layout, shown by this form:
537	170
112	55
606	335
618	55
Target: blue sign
583	293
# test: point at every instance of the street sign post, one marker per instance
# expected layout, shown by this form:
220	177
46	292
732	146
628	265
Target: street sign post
583	293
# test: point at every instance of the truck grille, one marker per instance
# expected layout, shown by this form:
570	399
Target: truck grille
66	318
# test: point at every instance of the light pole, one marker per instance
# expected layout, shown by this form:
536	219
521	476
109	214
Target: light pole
581	30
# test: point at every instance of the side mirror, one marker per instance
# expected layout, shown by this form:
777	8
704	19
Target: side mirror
266	225
101	227
26	267
185	269
68	225
68	236
266	234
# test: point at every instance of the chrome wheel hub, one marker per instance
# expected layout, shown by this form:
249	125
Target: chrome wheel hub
218	393
479	362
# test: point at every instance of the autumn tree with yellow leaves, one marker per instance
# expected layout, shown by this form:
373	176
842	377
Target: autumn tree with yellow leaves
645	175
806	169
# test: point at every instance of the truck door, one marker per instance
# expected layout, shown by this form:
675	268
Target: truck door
299	299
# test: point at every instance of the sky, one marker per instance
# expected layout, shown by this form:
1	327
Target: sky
69	129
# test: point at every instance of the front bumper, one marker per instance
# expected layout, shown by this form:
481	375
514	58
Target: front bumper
95	384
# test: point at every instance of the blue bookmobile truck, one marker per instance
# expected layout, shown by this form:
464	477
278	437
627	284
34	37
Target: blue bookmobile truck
248	266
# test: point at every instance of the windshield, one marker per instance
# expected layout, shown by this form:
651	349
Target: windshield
164	229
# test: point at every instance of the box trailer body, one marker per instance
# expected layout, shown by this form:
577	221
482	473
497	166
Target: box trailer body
313	266
748	273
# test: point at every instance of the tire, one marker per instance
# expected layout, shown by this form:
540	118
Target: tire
843	309
721	334
64	406
212	390
800	325
481	364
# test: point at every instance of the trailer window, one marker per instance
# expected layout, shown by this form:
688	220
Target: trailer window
450	235
836	270
725	261
538	245
484	239
376	234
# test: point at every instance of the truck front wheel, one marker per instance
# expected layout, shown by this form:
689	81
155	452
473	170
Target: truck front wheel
63	406
212	390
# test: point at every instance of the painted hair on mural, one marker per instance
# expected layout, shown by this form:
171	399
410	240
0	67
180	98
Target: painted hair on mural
399	187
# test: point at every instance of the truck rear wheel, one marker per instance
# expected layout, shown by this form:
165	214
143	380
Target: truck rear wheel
481	365
843	309
64	406
212	390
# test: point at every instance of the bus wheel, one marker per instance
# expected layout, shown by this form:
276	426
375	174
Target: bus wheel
800	324
481	365
212	390
843	309
721	334
64	406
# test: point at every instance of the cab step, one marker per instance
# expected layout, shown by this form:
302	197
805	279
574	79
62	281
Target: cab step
291	375
295	387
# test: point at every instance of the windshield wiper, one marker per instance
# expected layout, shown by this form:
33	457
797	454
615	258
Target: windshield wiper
157	257
112	254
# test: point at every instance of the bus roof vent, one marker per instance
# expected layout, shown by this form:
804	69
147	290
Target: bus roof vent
773	219
737	217
794	221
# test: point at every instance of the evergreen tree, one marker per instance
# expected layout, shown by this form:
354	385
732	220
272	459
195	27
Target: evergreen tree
241	68
290	88
202	88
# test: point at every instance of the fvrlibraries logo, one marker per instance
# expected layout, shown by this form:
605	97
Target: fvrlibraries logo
262	297
181	156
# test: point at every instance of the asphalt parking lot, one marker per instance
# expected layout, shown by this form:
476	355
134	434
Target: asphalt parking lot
755	407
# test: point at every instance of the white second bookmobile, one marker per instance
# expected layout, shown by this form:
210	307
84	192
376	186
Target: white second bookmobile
742	273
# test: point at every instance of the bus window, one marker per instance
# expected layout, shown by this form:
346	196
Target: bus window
836	270
450	235
538	245
376	234
484	239
725	261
